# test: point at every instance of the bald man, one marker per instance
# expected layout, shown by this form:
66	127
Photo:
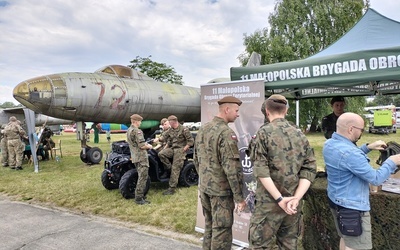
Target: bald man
349	176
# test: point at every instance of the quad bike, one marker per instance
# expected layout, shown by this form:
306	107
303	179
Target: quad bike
120	172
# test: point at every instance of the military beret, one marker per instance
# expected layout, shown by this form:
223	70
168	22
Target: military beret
337	99
12	119
278	98
230	99
163	120
172	118
136	117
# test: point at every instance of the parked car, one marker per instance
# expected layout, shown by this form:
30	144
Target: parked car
195	126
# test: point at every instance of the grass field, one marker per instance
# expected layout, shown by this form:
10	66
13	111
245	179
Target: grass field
73	185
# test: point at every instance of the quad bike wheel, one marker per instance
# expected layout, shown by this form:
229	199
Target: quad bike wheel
188	176
128	182
108	181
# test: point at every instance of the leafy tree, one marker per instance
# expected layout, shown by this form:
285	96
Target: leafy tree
386	100
9	105
298	29
158	71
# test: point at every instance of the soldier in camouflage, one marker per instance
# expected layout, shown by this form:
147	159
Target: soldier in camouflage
138	148
284	167
13	131
179	140
161	145
217	161
4	148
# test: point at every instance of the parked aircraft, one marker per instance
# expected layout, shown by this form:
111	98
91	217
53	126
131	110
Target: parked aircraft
109	95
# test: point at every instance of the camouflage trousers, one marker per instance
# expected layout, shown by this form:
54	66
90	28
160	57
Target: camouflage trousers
14	152
218	213
272	228
143	175
4	152
178	157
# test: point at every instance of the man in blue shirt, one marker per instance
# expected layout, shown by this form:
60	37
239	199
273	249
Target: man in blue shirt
350	173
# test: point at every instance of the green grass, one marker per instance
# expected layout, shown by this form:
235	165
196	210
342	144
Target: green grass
73	185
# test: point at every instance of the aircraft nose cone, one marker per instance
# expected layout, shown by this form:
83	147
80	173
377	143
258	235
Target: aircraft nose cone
35	93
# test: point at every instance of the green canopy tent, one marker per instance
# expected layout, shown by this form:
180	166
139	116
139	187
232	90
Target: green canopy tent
365	61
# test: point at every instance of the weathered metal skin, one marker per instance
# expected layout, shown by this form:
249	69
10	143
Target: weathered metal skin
111	94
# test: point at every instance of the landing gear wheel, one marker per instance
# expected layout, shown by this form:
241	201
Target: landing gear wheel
94	155
188	176
128	182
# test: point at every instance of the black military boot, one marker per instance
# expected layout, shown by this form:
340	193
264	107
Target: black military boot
141	201
169	191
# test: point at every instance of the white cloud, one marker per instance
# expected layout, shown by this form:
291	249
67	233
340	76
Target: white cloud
200	39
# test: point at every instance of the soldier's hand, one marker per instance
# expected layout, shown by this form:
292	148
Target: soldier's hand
284	204
292	206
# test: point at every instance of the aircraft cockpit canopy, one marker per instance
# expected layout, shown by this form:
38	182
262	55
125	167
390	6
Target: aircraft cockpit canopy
120	71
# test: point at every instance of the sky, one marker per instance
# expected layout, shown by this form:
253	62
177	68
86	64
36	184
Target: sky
200	39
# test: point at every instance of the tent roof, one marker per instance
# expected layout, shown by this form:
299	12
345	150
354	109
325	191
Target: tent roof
364	61
372	31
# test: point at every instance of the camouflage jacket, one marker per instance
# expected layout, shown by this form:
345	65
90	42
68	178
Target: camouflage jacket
217	160
282	152
136	141
14	131
177	137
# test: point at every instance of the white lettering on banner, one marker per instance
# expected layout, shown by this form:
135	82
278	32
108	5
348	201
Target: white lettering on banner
335	68
236	91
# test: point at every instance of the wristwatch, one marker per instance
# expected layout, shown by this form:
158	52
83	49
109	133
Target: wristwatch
279	199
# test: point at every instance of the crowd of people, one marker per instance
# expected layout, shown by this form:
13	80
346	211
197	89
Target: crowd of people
284	167
15	144
12	144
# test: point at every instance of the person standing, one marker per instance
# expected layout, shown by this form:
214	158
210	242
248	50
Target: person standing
14	131
138	148
349	176
329	122
217	162
4	148
96	130
179	140
284	167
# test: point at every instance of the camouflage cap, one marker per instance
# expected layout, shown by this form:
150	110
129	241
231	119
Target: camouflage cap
136	117
230	99
278	99
12	119
172	118
337	99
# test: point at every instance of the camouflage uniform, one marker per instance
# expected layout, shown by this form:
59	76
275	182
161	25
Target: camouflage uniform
284	154
139	157
4	147
162	143
14	131
176	140
220	181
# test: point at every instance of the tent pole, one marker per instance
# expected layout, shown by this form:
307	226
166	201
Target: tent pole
297	113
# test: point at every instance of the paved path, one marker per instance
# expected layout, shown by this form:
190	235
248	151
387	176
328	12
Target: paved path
29	227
